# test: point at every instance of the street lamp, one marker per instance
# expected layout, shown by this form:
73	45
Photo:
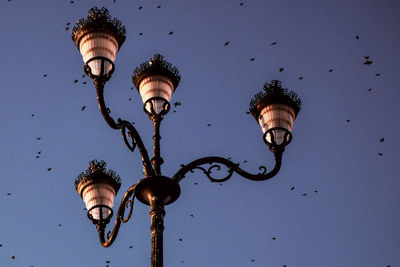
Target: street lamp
98	38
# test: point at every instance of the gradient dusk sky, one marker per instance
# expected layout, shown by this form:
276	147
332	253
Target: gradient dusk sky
350	216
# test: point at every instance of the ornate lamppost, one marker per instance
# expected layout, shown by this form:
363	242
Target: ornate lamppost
98	38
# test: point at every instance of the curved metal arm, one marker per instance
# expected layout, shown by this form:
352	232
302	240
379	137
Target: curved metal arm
232	167
126	202
122	125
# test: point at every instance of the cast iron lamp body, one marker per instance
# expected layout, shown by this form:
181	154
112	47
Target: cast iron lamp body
154	189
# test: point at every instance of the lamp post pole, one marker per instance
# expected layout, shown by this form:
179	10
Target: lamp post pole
98	38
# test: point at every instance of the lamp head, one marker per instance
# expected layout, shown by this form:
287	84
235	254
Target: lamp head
98	38
156	80
98	188
275	109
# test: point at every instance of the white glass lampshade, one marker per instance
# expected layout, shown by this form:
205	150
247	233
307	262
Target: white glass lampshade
99	194
98	44
156	86
277	115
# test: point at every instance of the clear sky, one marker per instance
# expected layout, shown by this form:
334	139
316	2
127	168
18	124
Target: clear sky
354	218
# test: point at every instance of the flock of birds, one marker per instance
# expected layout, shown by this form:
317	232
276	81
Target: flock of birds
176	104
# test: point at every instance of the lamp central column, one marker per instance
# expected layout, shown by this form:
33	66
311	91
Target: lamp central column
157	159
157	213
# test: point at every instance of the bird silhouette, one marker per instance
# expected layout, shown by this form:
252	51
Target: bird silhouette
244	161
315	191
330	70
108	261
247	112
75	81
380	154
281	69
170	33
83	108
59	225
226	43
8	194
130	99
84	83
191	215
300	78
347	120
68	23
378	74
357	37
382	139
1	245
140	33
13	257
180	239
130	246
196	183
253	260
44	75
48	169
274	43
33	115
140	8
208	125
158	6
305	194
37	157
370	89
71	2
292	188
66	28
367	62
38	138
252	59
274	238
177	103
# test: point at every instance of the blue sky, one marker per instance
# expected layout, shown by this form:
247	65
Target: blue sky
353	220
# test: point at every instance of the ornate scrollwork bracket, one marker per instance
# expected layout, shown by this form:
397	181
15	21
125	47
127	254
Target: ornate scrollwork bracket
126	203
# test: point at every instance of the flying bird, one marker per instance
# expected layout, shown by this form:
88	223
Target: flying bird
300	78
37	157
33	115
382	139
158	6
130	99
38	138
281	69
196	183
191	215
370	89
315	191
367	62
130	246
380	154
357	37
66	28
305	194
13	257
59	225
75	81
8	194
377	74
226	43
347	120
330	70
83	108
177	103
84	83
140	33
180	239
247	112
208	125
274	43
170	33
48	169
292	188
274	238
252	59
253	260
244	161
140	8
68	23
108	261
44	75
71	2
